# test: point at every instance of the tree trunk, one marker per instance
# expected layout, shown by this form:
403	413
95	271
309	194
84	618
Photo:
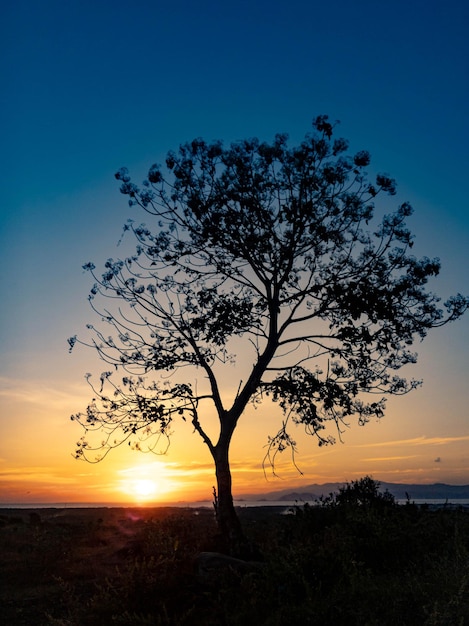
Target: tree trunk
227	518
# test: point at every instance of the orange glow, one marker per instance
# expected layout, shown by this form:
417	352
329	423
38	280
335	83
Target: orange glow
412	444
144	489
146	483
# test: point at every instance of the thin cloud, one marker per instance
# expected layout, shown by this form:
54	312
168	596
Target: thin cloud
389	458
36	475
194	466
416	441
34	392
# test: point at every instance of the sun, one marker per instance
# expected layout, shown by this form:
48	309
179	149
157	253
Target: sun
144	488
145	483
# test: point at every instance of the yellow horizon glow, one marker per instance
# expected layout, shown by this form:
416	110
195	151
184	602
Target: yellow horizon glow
144	483
414	443
144	489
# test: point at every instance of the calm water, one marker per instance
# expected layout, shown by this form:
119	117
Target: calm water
200	504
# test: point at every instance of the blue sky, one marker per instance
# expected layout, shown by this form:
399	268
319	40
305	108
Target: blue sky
90	86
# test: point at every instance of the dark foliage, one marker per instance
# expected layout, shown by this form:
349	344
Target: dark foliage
273	247
345	564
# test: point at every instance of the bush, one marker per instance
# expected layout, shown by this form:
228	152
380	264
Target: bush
355	559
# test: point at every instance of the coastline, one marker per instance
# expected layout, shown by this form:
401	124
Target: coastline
79	513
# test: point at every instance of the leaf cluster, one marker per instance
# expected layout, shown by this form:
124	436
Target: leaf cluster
271	245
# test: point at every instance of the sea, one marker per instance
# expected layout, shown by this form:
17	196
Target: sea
285	504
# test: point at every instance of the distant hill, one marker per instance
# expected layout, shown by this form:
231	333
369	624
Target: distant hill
436	491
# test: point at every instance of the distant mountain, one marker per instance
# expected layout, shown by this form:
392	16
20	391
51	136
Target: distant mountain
309	493
436	491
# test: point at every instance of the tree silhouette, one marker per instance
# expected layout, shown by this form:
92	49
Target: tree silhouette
264	246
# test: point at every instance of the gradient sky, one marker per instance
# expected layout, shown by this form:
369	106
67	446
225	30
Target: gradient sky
90	86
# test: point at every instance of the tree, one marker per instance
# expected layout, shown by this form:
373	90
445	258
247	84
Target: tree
265	245
364	492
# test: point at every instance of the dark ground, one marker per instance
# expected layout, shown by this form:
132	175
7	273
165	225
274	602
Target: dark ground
49	556
330	566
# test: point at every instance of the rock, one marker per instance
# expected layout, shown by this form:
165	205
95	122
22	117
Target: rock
212	568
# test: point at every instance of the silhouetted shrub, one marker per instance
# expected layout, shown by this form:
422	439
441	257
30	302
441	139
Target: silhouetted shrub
343	563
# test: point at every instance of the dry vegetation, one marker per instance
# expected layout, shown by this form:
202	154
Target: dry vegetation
342	563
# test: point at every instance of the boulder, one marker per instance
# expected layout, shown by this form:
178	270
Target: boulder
212	568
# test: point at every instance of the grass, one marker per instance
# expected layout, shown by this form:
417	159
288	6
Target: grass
345	562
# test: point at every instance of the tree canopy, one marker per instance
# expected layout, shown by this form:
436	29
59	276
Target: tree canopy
275	248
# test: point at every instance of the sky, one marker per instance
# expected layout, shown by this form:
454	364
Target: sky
90	86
